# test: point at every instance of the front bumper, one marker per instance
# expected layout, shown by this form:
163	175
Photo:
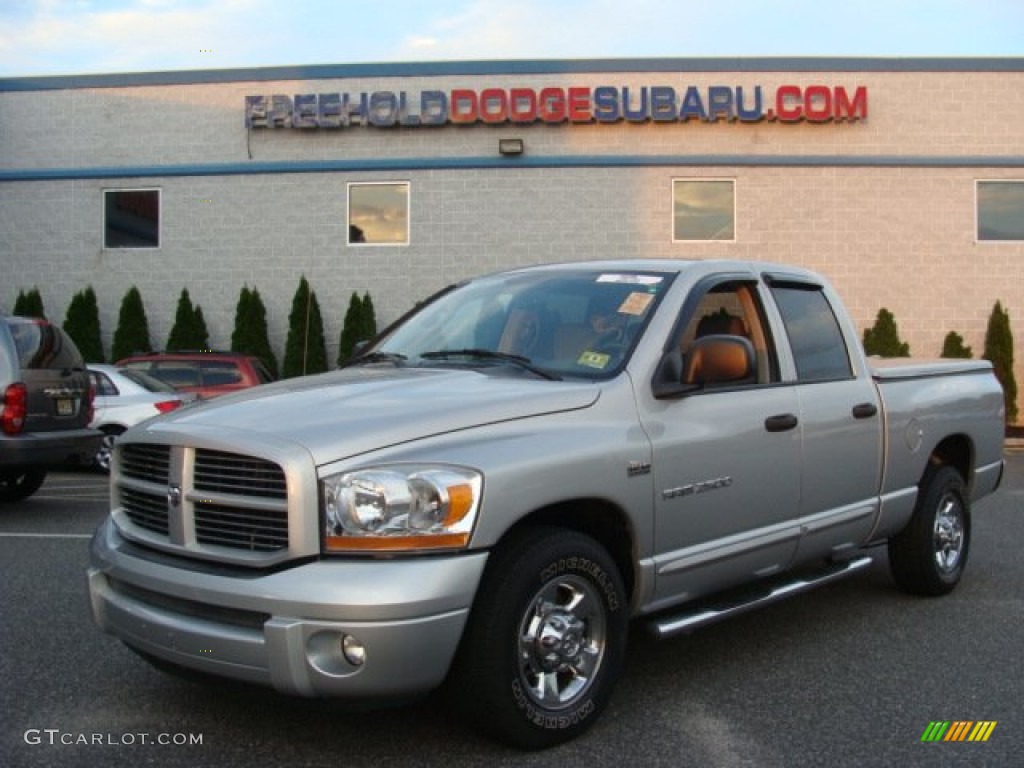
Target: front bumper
285	629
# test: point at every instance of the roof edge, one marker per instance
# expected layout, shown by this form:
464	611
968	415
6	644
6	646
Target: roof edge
515	67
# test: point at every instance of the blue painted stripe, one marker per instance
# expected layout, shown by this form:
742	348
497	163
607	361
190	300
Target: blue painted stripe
400	165
516	67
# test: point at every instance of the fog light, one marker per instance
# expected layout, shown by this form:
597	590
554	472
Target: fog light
354	651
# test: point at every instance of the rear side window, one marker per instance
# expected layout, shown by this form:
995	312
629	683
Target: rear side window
42	346
814	334
220	374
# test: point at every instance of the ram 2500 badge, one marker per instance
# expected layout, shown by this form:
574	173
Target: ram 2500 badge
501	482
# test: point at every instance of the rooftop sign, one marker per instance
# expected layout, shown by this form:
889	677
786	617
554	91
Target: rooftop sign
602	104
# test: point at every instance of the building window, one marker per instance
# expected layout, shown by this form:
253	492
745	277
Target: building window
703	209
131	218
378	213
1001	210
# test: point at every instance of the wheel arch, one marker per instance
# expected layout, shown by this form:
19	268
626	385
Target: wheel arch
956	451
602	520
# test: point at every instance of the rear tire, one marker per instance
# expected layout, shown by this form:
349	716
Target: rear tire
928	557
106	450
545	641
16	485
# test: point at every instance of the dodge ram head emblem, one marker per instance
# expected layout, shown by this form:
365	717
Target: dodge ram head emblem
174	496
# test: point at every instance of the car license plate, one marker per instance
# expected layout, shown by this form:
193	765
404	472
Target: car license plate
65	407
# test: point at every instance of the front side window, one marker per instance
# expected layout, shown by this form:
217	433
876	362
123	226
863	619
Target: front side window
131	218
733	309
819	348
1000	210
703	209
378	213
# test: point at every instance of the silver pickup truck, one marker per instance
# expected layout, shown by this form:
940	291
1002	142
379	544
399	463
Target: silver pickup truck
498	485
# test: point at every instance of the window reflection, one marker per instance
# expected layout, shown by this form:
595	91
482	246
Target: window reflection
703	209
1001	210
378	214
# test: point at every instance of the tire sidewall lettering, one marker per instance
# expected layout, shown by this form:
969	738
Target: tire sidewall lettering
587	567
549	721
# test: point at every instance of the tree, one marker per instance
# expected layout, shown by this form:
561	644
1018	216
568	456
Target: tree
305	349
250	335
82	323
132	334
29	304
360	325
953	346
189	329
999	351
884	338
351	330
369	317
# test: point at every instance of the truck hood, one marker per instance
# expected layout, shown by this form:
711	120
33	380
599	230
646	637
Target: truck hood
342	414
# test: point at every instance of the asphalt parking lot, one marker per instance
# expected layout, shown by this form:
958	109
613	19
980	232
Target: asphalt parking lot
851	674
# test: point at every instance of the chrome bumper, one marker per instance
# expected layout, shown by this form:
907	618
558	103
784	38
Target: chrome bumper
287	629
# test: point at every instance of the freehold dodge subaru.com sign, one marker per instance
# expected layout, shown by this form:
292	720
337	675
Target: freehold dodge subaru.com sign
603	104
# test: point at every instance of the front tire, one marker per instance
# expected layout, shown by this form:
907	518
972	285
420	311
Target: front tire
16	485
928	557
546	639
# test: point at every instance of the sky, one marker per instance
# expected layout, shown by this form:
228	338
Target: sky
60	37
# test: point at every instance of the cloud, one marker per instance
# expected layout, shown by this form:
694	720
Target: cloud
58	36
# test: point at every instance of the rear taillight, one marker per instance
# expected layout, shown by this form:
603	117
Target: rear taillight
167	405
90	407
12	418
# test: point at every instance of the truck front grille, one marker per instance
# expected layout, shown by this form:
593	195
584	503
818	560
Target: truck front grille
200	501
258	531
146	462
145	510
220	472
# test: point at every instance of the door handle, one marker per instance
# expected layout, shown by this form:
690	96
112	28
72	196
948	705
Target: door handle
781	423
864	410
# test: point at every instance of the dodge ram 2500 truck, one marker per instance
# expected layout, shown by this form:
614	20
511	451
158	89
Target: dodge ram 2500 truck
496	486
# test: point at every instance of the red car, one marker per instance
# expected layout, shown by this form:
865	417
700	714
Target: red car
206	373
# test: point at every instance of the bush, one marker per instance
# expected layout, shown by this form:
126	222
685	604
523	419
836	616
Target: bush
82	323
360	325
883	338
369	317
250	336
305	349
953	347
999	350
189	329
29	304
351	329
132	334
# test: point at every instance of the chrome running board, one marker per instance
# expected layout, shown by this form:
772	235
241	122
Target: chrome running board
734	604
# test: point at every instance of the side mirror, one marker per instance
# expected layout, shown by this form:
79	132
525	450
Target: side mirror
718	359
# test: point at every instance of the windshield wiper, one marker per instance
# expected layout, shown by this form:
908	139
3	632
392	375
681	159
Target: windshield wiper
486	354
376	357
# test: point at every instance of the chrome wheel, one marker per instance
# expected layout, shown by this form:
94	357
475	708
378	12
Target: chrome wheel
546	639
929	555
106	450
949	533
562	641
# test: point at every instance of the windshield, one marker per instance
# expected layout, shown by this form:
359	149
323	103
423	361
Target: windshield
557	323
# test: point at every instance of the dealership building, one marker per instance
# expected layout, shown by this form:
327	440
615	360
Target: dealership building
902	180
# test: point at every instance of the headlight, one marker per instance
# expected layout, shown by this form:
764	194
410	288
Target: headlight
388	509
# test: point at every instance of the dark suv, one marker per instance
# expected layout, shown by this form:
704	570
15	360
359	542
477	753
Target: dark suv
206	373
45	405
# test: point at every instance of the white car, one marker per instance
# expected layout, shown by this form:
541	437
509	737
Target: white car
123	399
